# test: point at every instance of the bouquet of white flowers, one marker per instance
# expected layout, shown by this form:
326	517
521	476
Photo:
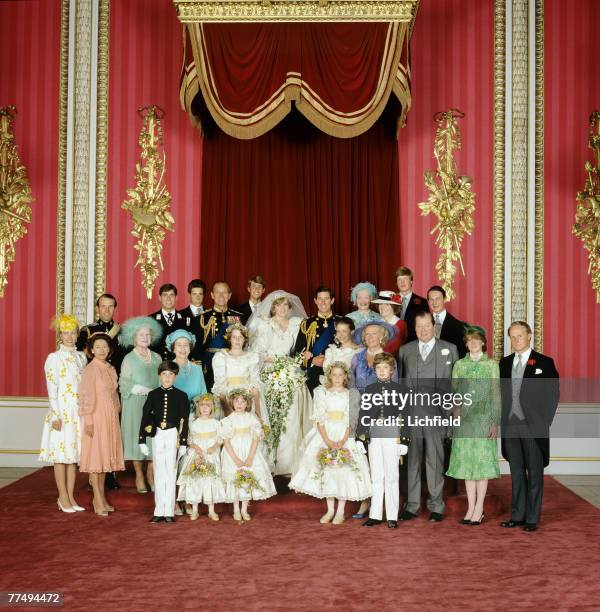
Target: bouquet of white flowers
281	377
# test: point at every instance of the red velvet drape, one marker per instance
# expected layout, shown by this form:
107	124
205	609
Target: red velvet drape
301	208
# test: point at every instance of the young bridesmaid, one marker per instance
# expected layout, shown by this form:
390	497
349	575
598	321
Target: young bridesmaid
332	465
244	468
200	478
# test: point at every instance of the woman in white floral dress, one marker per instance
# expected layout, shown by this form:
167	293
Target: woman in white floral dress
61	437
273	329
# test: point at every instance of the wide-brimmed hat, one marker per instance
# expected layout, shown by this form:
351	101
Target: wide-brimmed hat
357	335
179	333
388	297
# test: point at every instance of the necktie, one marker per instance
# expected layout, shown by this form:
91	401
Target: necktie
424	351
437	328
404	305
170	317
518	365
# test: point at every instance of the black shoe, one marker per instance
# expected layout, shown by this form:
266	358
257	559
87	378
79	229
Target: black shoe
436	517
157	519
392	524
371	522
510	524
465	522
407	516
111	481
169	519
530	527
479	521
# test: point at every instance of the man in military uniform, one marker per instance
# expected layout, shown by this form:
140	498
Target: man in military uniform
105	309
196	290
315	335
168	318
165	420
211	325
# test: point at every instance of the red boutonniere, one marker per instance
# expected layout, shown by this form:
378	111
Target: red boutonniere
531	362
417	301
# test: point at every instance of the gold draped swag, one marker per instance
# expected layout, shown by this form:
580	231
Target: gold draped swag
338	75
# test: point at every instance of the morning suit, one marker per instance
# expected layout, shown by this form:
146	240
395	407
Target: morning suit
415	305
453	331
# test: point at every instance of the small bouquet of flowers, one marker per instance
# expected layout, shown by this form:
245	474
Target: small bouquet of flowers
334	458
281	378
244	479
200	468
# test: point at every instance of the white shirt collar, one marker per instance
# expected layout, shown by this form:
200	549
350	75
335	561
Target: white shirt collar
441	316
524	357
166	314
429	344
253	306
407	296
196	310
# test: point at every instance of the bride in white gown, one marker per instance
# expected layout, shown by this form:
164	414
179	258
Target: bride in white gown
273	328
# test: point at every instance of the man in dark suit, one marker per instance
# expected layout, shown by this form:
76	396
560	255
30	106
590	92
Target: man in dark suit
196	290
446	326
412	303
256	288
530	393
167	317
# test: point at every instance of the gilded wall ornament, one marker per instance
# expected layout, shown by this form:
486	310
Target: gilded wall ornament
587	215
451	199
149	200
15	195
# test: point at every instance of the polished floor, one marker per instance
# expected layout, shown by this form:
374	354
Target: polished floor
587	487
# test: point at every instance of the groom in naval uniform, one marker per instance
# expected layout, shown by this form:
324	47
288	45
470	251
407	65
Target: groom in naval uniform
426	367
210	328
315	335
530	394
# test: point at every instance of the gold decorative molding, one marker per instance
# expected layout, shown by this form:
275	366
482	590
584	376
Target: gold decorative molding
498	294
15	195
192	11
587	215
101	147
538	303
451	199
149	200
520	158
61	218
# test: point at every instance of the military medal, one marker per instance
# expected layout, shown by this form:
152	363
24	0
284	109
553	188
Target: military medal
325	324
163	425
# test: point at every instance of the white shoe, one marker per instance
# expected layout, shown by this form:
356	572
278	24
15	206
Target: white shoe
78	508
338	519
326	518
246	516
68	510
213	516
194	516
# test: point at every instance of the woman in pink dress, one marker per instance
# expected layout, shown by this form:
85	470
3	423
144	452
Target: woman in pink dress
101	447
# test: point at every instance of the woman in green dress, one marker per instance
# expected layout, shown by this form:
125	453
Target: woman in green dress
474	456
139	375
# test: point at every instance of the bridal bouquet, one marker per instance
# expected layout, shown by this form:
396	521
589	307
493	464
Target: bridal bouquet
334	458
244	479
200	468
281	378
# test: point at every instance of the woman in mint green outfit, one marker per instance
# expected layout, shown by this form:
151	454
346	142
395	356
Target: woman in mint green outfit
139	375
474	456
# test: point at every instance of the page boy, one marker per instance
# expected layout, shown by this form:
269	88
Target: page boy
165	418
386	443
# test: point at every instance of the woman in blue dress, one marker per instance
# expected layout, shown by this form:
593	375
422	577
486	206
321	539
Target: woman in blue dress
373	336
361	296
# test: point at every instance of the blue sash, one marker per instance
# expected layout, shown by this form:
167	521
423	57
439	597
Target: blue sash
325	339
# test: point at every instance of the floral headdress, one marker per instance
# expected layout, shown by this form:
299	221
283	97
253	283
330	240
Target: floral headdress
131	327
240	393
65	323
337	364
205	397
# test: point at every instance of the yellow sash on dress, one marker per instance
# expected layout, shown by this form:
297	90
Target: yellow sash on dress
204	435
237	380
335	415
241	431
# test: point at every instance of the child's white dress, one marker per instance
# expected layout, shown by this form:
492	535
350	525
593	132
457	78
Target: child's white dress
193	488
346	482
239	429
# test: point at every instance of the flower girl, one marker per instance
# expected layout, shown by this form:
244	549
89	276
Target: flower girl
200	477
332	465
245	470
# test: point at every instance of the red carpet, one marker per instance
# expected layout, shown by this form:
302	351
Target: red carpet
287	560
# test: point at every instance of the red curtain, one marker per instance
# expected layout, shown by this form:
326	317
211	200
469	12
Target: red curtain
301	208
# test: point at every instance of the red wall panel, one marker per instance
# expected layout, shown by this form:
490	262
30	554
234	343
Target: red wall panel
572	91
452	54
145	62
29	79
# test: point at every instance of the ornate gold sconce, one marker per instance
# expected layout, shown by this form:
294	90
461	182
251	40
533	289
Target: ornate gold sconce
15	194
149	200
587	215
450	198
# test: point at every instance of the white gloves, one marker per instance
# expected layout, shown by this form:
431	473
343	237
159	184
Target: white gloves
403	449
181	452
360	447
140	390
145	450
